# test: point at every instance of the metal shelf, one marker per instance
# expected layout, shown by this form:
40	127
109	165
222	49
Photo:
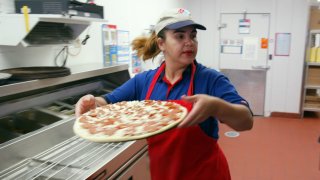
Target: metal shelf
64	156
315	31
312	86
313	64
311	109
77	73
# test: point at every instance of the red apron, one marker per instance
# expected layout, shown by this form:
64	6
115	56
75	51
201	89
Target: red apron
185	153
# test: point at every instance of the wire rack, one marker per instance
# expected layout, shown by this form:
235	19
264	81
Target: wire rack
71	159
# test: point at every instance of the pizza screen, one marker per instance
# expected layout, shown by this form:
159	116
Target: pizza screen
128	120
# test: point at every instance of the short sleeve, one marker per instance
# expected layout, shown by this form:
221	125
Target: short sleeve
133	89
224	89
125	92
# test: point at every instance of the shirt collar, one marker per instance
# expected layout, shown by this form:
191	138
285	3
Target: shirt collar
186	73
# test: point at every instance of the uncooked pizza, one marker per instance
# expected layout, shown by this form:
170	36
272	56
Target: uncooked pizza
128	120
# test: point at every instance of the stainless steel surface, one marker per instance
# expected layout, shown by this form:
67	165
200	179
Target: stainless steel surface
77	73
24	122
4	77
137	168
45	147
50	99
250	84
261	67
33	143
74	158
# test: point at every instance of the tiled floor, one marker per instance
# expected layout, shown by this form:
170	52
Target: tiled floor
275	149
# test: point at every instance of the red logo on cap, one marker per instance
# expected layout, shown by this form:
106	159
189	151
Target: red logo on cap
181	11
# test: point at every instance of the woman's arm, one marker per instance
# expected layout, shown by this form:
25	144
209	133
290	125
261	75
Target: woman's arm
236	116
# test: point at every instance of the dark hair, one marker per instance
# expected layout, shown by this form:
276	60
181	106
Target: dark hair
147	47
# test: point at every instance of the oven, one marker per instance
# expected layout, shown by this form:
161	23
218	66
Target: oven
36	136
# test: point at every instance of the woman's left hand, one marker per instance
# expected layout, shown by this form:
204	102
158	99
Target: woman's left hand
202	109
237	116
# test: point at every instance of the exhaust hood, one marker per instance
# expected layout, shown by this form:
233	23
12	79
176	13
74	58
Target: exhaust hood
40	29
51	33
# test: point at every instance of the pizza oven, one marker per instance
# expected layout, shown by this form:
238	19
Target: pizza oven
36	136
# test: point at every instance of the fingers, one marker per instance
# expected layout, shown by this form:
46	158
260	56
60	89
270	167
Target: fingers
192	118
187	121
191	99
200	111
84	104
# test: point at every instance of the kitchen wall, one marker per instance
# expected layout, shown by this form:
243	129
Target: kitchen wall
135	16
284	77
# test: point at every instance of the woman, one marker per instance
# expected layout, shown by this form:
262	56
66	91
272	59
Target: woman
191	150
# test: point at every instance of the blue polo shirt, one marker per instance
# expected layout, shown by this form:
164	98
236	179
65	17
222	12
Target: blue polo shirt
206	81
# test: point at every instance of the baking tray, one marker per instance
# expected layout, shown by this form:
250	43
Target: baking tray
36	72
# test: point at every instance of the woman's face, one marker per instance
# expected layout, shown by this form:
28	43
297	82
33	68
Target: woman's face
180	46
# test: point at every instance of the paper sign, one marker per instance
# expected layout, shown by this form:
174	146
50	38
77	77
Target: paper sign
250	48
282	45
231	46
264	43
244	26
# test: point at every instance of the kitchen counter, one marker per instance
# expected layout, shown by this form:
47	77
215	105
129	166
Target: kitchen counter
77	73
39	142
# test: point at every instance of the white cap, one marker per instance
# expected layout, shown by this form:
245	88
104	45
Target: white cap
175	19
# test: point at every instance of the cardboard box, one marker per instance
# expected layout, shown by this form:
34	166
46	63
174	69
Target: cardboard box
314	22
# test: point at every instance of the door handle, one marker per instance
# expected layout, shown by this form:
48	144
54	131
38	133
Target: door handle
261	67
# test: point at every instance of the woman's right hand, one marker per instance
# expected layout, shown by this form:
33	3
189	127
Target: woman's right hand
84	104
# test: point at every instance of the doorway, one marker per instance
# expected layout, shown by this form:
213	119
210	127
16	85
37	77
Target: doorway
244	54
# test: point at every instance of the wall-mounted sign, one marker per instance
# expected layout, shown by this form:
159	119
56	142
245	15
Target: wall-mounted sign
250	48
109	41
264	43
123	46
244	26
282	44
231	46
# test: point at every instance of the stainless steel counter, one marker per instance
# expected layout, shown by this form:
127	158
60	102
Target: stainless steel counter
52	151
77	73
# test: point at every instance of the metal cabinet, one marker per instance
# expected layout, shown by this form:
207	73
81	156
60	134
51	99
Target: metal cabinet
139	169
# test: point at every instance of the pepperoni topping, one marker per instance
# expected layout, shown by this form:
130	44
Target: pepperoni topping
83	119
109	131
130	118
151	128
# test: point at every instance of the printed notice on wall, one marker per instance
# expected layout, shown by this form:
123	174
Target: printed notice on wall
244	26
250	48
123	46
282	44
231	46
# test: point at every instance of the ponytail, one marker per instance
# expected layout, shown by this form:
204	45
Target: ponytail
146	47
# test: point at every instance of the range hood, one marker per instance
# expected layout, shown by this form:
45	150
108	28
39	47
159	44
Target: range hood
40	29
53	33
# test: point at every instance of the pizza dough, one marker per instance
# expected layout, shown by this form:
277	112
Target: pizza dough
129	120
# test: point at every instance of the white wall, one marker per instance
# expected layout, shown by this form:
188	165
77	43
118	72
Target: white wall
284	77
134	16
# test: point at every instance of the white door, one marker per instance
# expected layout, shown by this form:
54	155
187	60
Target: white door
244	55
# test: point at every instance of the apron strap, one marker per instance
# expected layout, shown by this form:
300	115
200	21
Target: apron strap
158	73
